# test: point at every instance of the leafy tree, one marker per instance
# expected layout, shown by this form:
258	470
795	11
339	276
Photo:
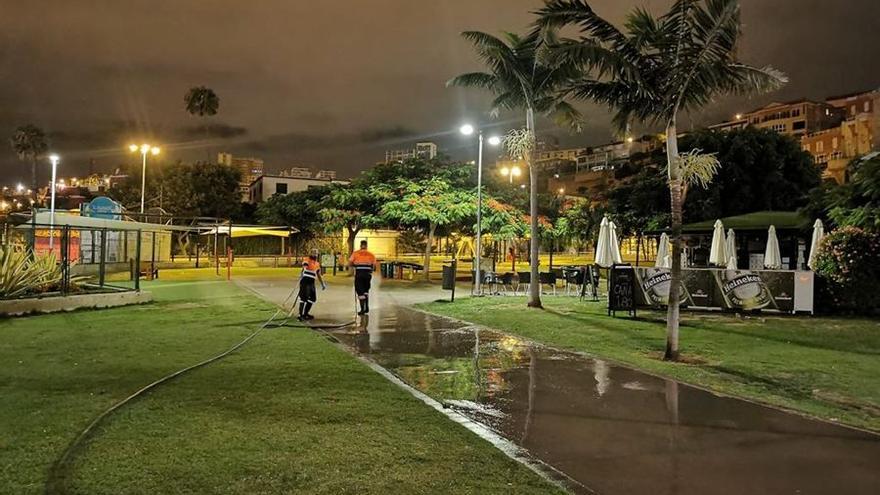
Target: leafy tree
201	101
639	203
856	203
761	170
352	207
658	69
201	190
128	191
29	143
521	80
582	221
428	204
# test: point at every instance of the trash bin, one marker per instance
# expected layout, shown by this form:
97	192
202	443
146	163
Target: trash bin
449	277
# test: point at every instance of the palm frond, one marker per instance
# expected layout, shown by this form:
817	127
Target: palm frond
747	79
474	80
557	14
698	168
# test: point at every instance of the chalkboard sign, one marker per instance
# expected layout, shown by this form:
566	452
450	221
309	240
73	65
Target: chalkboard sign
622	289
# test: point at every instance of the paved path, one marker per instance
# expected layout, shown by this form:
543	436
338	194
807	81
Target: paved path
612	429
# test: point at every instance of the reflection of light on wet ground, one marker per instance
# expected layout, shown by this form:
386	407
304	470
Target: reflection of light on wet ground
613	429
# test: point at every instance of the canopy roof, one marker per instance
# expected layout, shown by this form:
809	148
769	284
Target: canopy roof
760	220
43	218
249	230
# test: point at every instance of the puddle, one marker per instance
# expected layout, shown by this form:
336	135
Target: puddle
615	430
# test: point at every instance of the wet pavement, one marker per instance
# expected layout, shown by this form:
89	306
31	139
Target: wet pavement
613	429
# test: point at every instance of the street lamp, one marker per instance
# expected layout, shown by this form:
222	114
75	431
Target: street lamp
511	172
468	130
144	149
54	159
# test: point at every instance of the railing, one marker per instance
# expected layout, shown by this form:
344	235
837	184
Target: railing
87	260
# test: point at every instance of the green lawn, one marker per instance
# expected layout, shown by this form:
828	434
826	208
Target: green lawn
826	367
288	413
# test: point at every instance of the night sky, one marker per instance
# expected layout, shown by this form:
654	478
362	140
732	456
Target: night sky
330	84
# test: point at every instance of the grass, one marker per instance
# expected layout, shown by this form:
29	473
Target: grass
824	367
288	413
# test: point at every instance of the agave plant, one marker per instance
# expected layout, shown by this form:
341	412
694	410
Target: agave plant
22	274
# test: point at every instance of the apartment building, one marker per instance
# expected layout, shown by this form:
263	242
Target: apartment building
796	118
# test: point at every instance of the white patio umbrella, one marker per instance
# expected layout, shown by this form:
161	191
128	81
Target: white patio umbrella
731	263
818	234
602	257
718	255
612	242
663	258
772	258
731	248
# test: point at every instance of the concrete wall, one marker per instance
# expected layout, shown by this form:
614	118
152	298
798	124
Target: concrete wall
38	305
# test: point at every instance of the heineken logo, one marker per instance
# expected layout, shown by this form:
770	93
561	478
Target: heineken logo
656	280
740	281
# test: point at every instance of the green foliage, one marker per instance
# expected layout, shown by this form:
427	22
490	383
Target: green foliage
428	204
856	203
301	209
353	207
658	66
519	76
639	203
762	170
503	221
201	189
582	221
23	274
847	261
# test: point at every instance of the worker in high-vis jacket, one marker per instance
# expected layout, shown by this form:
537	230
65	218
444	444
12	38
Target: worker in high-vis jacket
308	294
363	263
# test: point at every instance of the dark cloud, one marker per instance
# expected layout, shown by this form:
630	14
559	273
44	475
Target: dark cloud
211	131
391	133
332	84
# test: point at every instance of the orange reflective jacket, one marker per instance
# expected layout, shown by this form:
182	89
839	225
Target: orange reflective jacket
363	260
310	268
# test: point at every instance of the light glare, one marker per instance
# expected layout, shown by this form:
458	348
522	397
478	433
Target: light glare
467	129
494	140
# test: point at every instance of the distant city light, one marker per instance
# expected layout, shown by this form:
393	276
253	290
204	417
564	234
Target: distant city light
19	188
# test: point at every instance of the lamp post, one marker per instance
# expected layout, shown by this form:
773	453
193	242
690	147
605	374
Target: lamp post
511	172
468	130
144	149
54	159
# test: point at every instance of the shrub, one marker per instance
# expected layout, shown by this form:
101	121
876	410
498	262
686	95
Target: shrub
847	264
23	274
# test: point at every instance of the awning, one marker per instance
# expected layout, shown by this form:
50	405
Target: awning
43	220
758	221
250	231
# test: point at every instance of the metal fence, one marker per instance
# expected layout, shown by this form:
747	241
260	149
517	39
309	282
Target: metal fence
89	259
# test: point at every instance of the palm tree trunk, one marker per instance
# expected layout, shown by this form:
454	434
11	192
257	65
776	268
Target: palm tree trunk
675	193
534	286
34	180
431	229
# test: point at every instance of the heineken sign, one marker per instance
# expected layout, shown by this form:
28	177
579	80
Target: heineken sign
705	288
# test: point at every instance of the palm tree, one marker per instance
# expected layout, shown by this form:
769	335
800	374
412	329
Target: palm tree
202	101
29	143
658	69
520	80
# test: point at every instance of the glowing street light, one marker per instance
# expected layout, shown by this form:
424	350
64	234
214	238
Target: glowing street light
144	149
510	173
54	159
468	130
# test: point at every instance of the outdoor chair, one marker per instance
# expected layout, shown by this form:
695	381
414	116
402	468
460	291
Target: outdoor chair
506	282
548	278
574	279
523	279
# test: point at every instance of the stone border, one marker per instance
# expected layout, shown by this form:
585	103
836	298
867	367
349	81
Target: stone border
42	305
